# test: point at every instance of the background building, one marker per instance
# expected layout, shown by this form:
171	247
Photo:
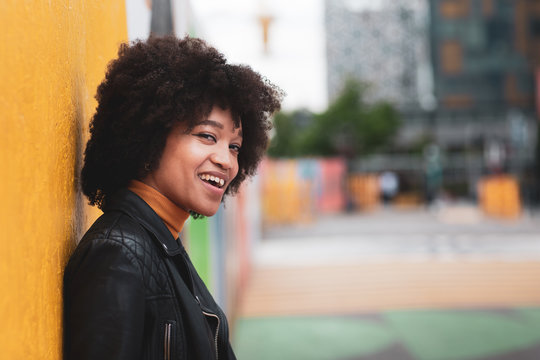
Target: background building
385	44
483	54
461	73
381	44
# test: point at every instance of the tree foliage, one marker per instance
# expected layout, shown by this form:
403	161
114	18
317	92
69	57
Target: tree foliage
349	127
284	142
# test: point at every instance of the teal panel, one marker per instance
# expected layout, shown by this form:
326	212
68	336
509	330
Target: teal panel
423	334
199	248
314	338
218	251
531	316
458	335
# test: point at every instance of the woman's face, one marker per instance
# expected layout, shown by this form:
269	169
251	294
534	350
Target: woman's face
197	166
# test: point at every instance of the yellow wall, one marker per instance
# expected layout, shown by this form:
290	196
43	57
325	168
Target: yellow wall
52	56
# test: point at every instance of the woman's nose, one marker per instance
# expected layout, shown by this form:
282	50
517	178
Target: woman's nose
222	157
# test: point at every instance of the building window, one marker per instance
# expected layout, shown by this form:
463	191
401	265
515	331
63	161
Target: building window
500	34
535	42
535	28
451	57
488	7
514	93
452	9
534	9
457	101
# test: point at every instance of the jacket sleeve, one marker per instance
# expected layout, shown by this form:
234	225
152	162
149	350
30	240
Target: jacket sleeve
103	303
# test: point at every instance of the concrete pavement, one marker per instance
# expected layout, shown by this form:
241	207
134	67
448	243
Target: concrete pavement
455	232
394	284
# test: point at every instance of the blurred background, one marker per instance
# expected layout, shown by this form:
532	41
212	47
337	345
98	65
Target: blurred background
395	217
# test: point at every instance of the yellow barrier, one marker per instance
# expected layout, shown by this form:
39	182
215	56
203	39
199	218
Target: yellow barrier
499	196
287	202
408	200
286	199
364	191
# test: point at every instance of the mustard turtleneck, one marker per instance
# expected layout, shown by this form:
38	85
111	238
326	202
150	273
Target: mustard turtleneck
173	217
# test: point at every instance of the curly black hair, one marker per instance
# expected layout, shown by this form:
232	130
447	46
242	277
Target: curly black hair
152	86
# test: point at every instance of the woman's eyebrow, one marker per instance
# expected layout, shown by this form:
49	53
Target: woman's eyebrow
211	123
216	124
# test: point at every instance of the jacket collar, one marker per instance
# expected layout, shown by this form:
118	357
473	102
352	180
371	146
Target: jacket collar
132	205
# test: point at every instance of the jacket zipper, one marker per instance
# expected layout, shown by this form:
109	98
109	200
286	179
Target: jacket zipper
185	259
167	342
206	313
217	331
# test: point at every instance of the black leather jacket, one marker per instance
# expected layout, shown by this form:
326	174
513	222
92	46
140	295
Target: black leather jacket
131	292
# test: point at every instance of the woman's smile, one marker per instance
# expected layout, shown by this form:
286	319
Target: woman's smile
216	180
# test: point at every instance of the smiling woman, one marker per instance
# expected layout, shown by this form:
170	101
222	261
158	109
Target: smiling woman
176	129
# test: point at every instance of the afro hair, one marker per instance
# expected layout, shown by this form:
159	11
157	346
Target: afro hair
156	84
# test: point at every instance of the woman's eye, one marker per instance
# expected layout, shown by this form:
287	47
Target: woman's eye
207	137
235	148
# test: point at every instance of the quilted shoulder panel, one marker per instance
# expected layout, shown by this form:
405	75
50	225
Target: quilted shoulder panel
136	240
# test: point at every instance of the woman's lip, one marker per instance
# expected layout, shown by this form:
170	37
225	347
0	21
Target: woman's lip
214	189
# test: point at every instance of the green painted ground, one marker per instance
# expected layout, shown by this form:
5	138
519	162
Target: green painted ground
423	335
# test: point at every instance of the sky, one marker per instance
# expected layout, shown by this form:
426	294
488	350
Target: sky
296	58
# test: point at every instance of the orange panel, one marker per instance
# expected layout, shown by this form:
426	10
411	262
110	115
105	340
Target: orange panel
488	7
452	9
512	93
458	101
521	26
451	57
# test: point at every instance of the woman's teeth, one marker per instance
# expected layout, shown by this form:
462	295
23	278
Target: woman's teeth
213	179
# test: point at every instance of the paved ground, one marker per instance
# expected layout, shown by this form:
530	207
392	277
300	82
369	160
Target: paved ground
452	232
446	284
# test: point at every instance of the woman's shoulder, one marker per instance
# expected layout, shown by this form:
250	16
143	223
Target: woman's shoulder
117	242
120	233
116	226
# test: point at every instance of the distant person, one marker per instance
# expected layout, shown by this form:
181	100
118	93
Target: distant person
433	173
389	185
176	129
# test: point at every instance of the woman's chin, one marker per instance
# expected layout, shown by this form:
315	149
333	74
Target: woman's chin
207	212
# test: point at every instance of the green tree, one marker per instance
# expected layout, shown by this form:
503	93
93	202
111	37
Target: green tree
349	127
284	140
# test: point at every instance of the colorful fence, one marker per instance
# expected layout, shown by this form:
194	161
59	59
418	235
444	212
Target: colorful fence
293	191
364	191
499	196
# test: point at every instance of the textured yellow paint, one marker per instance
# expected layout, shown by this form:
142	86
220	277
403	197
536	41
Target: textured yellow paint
53	54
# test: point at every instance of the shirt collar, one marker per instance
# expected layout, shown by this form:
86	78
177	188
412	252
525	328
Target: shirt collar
173	216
